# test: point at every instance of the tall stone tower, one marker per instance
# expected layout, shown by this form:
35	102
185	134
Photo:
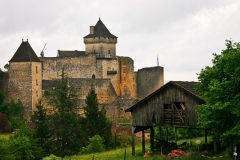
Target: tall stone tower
100	41
25	78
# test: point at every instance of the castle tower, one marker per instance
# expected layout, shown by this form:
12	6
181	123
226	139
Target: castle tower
25	78
100	41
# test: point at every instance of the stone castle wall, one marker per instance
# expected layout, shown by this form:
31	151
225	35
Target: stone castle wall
76	67
36	83
101	45
22	84
149	80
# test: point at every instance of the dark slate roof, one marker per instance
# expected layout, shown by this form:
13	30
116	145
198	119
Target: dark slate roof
25	53
100	30
48	84
188	87
71	53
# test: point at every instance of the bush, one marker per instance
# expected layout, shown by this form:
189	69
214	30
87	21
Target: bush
4	128
95	145
52	157
123	139
5	150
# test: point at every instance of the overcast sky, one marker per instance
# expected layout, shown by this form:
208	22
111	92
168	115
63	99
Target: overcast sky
182	33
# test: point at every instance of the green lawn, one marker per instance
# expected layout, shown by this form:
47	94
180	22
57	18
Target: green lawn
5	136
118	154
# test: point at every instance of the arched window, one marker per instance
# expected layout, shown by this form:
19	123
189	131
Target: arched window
93	76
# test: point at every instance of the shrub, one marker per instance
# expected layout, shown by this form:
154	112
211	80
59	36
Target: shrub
123	139
52	157
4	128
95	145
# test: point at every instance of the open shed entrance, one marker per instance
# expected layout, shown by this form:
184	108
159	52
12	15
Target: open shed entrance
174	114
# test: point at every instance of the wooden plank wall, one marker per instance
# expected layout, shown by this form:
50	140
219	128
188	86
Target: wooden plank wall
142	115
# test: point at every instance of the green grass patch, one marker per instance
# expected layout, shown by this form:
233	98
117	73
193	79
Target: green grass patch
5	136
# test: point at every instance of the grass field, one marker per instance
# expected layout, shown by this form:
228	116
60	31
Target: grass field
118	154
5	136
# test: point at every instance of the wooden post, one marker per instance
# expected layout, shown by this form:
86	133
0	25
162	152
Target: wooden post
175	134
133	142
143	142
152	139
160	132
166	136
205	133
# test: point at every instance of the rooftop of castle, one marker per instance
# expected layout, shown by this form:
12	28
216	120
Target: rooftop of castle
25	53
71	53
100	30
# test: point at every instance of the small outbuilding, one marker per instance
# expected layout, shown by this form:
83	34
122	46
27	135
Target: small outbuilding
174	104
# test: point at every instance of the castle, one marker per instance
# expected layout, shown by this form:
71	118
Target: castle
114	79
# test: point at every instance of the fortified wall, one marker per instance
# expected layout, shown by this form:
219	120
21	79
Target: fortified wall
114	79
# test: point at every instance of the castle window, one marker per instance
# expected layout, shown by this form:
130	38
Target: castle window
108	51
94	51
124	78
36	93
36	82
93	76
36	69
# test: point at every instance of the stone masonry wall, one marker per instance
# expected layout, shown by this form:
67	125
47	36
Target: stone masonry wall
149	80
36	83
20	85
76	67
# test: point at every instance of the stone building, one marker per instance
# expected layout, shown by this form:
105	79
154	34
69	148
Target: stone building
113	77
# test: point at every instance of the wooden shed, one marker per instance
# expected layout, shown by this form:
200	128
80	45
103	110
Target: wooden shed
174	104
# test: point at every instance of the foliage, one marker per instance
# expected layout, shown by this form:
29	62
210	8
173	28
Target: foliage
5	152
52	157
64	118
182	133
220	87
95	121
14	111
4	128
123	139
24	144
6	66
95	145
43	130
1	97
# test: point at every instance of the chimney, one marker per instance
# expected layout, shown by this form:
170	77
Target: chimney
91	29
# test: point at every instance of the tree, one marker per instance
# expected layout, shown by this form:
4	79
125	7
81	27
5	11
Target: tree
14	112
43	130
95	121
220	87
4	128
65	118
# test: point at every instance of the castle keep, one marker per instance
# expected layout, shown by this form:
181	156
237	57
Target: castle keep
114	79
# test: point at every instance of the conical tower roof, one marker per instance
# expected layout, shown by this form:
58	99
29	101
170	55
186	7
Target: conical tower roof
100	30
25	53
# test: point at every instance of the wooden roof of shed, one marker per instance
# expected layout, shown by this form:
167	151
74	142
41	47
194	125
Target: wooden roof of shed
188	87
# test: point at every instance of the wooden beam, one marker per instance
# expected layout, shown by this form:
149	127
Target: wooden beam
175	134
133	142
143	142
179	113
152	139
205	134
166	136
160	132
183	107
